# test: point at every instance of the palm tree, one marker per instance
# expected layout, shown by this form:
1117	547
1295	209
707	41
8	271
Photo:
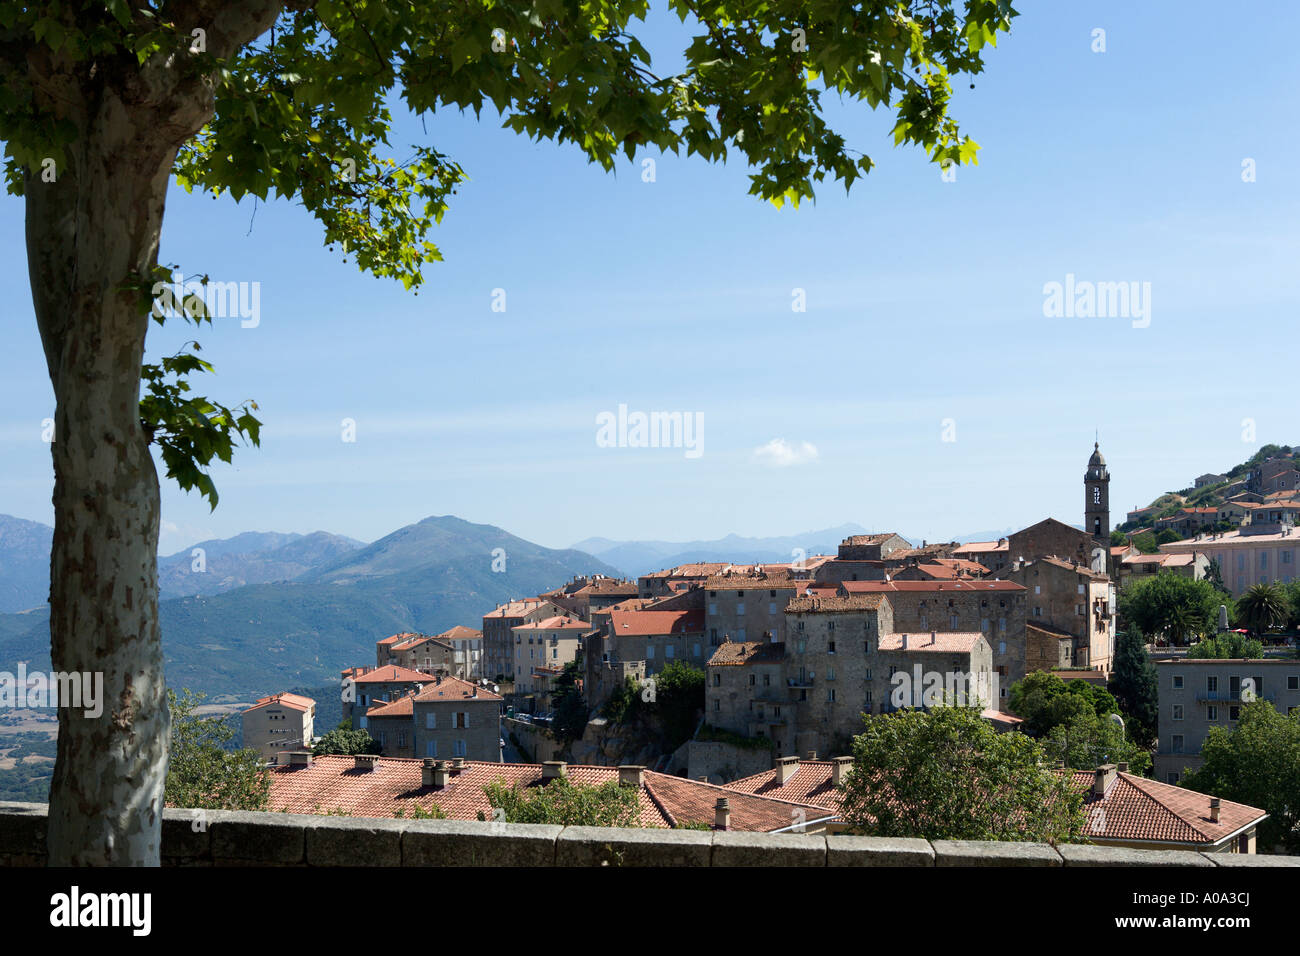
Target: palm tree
1262	607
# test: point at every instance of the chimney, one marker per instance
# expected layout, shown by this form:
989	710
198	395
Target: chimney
458	764
904	642
722	814
631	775
1102	778
812	755
934	637
1123	766
1215	803
553	769
785	768
840	768
366	762
299	758
427	771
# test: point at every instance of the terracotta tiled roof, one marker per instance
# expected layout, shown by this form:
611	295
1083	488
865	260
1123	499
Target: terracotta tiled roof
460	633
1136	809
813	604
555	624
810	783
333	783
1140	809
646	623
942	642
292	701
697	570
981	547
739	653
517	608
398	708
453	688
745	581
884	587
405	635
392	674
860	539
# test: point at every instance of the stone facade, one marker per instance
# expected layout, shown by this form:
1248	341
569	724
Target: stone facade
1074	599
498	636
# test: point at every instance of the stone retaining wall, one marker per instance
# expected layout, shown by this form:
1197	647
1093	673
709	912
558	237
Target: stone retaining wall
238	838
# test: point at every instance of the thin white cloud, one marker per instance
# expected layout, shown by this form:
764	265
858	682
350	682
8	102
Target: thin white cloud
778	453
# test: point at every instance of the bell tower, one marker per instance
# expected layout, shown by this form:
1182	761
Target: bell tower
1096	501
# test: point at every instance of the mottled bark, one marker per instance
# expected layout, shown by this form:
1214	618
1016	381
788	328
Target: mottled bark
94	228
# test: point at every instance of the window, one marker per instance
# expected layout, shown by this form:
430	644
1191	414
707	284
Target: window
830	673
1080	588
430	721
1178	682
866	647
830	647
830	695
740	607
1176	744
649	652
668	651
1002	647
458	748
696	652
1038	612
1002	624
1234	712
401	738
1211	713
867	676
1178	711
1037	589
771	607
767	680
952	622
460	720
752	679
1172	777
1212	684
1293	682
717	680
431	748
717	705
713	607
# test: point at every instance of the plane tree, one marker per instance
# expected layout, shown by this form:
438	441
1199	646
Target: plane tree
103	102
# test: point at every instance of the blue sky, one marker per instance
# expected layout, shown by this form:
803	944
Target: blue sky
924	303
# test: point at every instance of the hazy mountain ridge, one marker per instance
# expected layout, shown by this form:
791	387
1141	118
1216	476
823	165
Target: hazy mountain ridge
261	638
24	563
249	558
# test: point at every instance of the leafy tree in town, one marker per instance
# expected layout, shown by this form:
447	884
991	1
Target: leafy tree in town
565	803
204	771
1257	763
1167	536
105	100
1262	608
1227	647
945	774
677	702
571	711
1134	686
1084	741
1170	605
1044	700
1146	543
1214	575
347	742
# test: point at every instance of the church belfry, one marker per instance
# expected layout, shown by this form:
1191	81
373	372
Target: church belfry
1096	502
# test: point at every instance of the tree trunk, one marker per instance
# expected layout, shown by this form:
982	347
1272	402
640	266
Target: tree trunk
92	229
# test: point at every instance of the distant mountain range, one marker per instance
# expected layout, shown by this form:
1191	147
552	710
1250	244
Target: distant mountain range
262	636
634	558
24	563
